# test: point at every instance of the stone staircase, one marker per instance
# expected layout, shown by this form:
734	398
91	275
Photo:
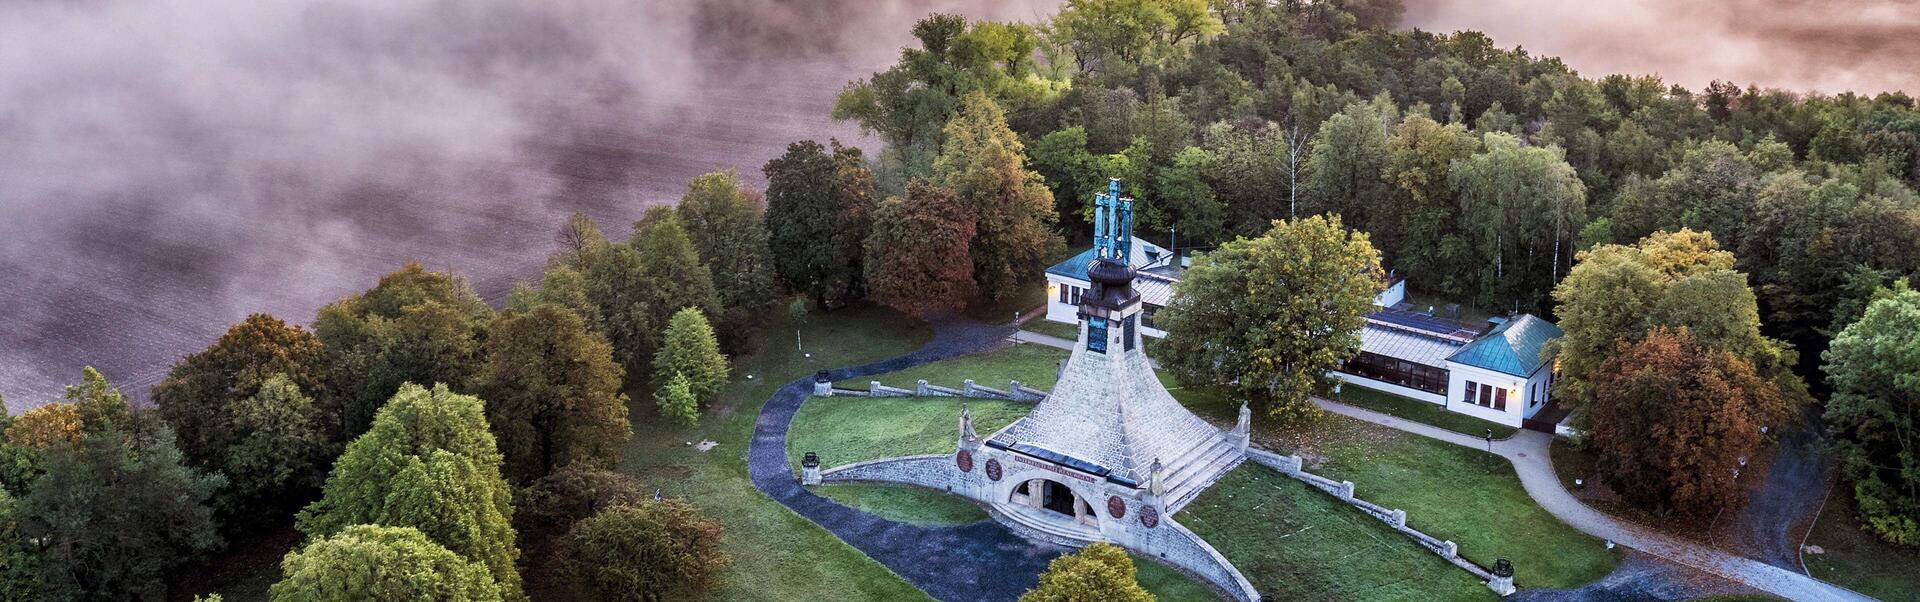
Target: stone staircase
1061	532
1206	464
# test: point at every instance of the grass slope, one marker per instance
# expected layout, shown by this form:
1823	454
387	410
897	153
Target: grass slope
1420	411
1051	328
912	505
777	555
844	430
1034	365
1856	559
1297	543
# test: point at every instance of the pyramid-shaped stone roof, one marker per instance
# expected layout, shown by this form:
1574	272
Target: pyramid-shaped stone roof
1109	415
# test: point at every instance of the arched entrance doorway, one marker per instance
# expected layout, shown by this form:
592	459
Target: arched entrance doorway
1049	497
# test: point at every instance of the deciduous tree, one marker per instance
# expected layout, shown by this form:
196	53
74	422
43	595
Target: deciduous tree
818	211
677	401
1101	571
199	395
280	453
373	562
415	326
553	392
427	462
644	551
724	221
690	350
984	164
1874	366
1672	419
44	426
919	257
1269	316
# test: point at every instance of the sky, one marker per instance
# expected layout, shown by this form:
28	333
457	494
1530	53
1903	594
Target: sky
169	166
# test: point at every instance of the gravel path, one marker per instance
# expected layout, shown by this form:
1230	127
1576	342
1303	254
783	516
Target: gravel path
1527	450
980	561
1770	527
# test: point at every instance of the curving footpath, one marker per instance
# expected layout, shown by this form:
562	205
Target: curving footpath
1527	450
980	561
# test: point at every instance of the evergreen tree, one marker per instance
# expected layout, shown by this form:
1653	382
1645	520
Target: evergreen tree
677	401
553	392
688	349
427	462
372	562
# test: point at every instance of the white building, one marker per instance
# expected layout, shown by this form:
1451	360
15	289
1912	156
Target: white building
1494	371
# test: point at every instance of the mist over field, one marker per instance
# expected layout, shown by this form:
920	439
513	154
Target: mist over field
169	166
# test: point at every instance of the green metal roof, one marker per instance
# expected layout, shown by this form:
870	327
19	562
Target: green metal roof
1512	348
1075	268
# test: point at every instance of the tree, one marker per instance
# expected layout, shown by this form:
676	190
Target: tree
1343	171
1114	38
427	462
677	401
1672	421
553	392
670	278
372	562
551	505
818	210
101	406
118	511
919	256
1675	279
414	326
19	558
44	426
984	164
1874	367
280	452
1420	231
643	552
1269	316
724	221
689	349
1101	571
1186	204
1519	210
199	396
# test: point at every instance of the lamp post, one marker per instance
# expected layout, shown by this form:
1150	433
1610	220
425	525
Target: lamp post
1489	440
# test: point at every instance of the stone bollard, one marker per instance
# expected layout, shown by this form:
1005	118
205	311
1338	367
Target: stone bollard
1397	518
1449	550
1502	582
966	387
920	388
1346	491
810	469
1013	389
873	388
822	386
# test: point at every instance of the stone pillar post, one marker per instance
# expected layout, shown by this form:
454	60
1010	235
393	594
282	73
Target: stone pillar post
1449	550
1243	431
1290	464
1502	582
1346	491
1397	518
1036	490
920	388
822	386
810	469
873	388
966	387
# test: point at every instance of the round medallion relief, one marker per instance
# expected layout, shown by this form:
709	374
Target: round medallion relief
1116	507
993	469
965	460
1149	516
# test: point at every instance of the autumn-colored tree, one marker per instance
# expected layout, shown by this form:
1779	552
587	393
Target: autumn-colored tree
46	425
819	204
984	163
553	392
373	562
689	349
1270	316
1101	571
1672	420
551	505
919	258
199	394
427	462
724	221
1874	366
643	552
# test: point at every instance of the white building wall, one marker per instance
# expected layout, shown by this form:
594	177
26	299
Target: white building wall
1459	374
1394	294
1539	389
1058	311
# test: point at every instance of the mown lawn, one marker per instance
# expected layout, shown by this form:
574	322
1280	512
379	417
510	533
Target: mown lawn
1032	364
1420	411
844	430
1169	584
1297	543
1856	559
1051	328
1456	493
777	555
912	505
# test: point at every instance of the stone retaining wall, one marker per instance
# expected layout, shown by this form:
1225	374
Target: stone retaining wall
1014	391
1182	548
1394	518
933	471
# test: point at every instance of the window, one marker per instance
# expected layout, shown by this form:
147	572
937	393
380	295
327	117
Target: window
1146	314
1127	331
1076	295
1097	334
1486	396
1393	371
1064	292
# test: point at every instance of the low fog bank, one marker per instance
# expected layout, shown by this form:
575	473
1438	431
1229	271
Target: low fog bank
169	166
1866	46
